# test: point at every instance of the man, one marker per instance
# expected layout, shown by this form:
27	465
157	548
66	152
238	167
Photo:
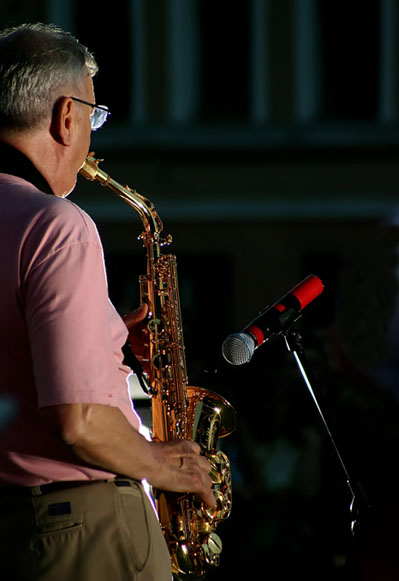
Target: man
70	427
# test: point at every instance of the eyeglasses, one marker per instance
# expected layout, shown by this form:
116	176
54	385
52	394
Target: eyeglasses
99	114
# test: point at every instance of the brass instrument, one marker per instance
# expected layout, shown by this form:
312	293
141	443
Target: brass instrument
179	411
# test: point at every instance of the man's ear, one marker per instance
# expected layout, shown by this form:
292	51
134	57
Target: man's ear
62	120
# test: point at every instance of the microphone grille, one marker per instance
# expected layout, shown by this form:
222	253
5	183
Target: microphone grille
238	348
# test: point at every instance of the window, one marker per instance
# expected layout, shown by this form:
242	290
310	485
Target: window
350	49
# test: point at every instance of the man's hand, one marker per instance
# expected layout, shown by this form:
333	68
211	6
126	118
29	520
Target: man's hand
138	333
182	469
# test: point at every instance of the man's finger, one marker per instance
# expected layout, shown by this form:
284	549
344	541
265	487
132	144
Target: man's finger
136	316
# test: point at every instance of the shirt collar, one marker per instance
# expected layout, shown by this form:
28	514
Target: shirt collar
13	162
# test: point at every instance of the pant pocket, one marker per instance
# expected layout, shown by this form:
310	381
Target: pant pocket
134	526
56	517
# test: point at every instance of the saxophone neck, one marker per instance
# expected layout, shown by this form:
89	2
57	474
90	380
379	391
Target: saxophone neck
145	209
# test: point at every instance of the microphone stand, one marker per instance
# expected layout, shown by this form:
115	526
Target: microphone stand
293	341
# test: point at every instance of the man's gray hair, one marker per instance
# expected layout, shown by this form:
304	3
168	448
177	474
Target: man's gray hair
36	61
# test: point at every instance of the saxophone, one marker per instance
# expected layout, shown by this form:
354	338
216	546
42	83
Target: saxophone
178	410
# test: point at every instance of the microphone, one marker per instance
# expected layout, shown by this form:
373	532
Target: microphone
239	348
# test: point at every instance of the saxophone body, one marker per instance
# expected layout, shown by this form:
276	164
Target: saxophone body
179	411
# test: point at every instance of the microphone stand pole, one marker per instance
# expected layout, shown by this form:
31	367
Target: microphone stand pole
294	345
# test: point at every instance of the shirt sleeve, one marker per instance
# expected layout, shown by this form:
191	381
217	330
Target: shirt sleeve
75	333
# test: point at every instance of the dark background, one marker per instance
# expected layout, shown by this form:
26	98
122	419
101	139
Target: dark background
266	134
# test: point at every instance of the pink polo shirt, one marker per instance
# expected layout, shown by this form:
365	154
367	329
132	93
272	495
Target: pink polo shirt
60	337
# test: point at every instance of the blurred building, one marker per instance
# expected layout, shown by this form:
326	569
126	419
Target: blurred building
266	134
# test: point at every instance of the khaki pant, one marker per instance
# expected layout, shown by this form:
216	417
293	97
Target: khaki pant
103	531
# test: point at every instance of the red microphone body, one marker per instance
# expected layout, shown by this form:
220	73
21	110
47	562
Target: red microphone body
238	348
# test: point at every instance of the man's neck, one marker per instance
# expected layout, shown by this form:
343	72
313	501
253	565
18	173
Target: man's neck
14	162
44	154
